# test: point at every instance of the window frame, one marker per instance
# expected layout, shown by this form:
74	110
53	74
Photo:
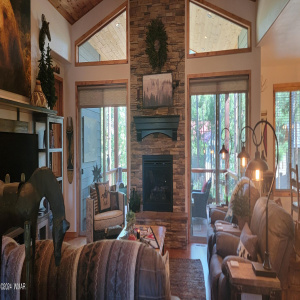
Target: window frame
118	11
224	14
281	87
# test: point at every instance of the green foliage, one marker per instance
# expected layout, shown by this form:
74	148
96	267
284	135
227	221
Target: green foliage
134	201
156	44
46	76
42	76
97	173
51	97
130	220
240	205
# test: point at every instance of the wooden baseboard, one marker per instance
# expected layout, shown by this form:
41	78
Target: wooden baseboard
71	235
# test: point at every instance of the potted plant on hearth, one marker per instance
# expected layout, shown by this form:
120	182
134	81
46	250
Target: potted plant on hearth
97	173
130	221
134	201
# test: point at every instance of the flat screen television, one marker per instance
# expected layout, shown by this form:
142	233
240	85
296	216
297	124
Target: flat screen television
18	154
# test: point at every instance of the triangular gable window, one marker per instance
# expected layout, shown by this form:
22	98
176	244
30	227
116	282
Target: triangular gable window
106	42
213	31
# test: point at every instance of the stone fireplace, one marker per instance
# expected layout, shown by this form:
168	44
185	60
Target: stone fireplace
158	183
170	139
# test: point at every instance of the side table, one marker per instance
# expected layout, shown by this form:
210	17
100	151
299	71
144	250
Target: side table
209	207
243	280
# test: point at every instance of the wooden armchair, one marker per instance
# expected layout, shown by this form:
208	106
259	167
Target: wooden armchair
108	222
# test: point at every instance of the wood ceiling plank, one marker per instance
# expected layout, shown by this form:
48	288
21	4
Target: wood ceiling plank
73	10
62	11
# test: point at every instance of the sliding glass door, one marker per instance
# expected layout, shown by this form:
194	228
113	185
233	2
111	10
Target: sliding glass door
103	147
218	112
103	139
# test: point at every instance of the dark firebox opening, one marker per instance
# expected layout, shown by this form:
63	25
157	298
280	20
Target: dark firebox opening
158	183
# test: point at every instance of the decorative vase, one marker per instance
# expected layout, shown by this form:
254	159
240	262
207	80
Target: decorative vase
38	98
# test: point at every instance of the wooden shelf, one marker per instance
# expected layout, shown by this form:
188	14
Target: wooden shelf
43	124
27	107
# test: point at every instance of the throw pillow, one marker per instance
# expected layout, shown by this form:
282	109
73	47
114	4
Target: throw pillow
114	203
94	197
103	193
204	187
248	245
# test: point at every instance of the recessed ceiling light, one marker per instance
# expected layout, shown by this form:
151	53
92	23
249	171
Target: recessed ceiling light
209	15
118	24
205	37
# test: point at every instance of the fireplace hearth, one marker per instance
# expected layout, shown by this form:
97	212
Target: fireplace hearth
158	183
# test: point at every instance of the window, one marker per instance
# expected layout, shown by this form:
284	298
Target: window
287	128
106	42
216	103
214	31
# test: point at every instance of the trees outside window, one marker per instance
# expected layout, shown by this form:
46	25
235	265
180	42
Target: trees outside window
215	104
287	128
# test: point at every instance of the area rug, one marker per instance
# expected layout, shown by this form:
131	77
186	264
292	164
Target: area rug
187	279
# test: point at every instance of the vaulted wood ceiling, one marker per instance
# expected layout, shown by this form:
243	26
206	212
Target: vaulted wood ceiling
73	10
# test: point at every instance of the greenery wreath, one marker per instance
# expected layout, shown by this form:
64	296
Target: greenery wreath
157	45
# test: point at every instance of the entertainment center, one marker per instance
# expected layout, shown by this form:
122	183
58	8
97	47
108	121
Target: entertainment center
23	152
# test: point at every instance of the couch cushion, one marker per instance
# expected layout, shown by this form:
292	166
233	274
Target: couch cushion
248	245
108	219
102	189
226	244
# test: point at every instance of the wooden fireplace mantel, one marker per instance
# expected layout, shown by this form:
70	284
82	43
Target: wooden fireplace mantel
146	125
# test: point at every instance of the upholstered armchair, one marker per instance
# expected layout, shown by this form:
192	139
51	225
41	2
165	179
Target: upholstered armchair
104	212
252	242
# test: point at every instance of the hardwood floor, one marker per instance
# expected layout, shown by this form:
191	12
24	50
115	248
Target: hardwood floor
193	251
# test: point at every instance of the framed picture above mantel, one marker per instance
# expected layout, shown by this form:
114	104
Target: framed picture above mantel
157	90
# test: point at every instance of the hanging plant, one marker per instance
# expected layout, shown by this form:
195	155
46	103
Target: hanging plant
157	44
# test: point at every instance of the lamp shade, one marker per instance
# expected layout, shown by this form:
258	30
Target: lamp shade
223	151
243	156
257	166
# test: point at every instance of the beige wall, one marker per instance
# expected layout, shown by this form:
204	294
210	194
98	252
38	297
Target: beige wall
267	13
